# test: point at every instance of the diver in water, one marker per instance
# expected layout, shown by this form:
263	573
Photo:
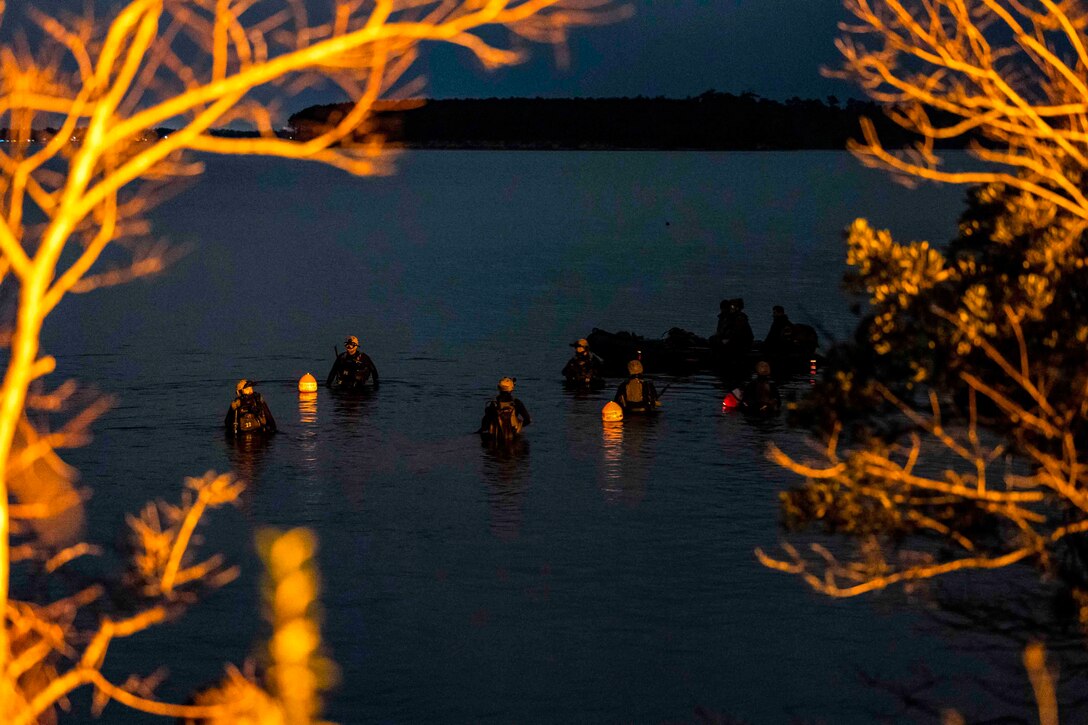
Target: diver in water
636	395
352	368
584	369
504	415
761	394
248	414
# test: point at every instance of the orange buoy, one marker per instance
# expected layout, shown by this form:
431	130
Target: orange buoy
611	412
307	384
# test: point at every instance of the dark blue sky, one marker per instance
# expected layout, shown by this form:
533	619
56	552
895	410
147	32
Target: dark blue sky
675	48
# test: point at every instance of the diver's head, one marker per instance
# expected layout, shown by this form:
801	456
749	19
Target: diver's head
634	367
506	385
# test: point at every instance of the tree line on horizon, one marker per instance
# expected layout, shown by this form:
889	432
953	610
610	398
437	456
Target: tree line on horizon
713	121
710	121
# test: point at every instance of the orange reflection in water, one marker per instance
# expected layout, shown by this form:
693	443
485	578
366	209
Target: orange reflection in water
622	468
307	418
612	450
623	463
307	408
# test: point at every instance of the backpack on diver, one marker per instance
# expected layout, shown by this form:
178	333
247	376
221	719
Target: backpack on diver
250	418
248	422
507	423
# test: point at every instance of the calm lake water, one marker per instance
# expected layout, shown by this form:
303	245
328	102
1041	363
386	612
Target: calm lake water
595	577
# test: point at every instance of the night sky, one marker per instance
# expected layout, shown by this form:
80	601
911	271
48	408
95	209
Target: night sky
673	48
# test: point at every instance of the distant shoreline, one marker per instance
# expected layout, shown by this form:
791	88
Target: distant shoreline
709	122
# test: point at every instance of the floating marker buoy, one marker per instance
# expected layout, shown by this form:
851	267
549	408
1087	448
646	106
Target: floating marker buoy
611	412
731	399
307	384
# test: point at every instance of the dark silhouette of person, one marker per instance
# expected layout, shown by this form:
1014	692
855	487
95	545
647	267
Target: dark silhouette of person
248	414
585	368
761	395
722	328
352	368
733	336
504	415
636	395
779	339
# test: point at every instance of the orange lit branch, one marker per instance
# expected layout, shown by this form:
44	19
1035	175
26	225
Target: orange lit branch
829	583
74	679
1023	95
873	474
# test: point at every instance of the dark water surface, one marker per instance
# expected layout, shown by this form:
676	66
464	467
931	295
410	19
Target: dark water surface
599	576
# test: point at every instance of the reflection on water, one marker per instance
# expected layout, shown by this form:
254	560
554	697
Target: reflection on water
307	410
506	473
246	453
308	431
612	453
625	462
349	408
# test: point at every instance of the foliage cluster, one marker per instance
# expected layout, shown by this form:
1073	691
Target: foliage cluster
954	425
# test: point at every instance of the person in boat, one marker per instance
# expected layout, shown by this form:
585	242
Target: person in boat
733	336
636	395
761	395
585	368
722	327
352	368
779	339
248	414
504	415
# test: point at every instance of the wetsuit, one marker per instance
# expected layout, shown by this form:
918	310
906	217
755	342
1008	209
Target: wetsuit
636	395
761	396
249	414
351	371
583	369
504	405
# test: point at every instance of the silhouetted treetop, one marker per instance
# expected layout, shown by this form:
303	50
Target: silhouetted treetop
712	121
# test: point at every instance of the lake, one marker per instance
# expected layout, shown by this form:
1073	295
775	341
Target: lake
598	576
